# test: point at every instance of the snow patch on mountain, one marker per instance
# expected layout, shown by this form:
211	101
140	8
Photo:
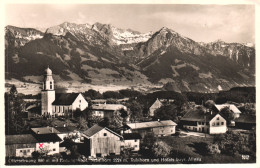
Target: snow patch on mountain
129	37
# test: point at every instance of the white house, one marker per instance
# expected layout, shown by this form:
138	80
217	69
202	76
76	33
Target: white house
101	141
48	142
47	139
204	122
59	104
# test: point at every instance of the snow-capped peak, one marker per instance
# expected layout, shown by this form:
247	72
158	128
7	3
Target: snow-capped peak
128	37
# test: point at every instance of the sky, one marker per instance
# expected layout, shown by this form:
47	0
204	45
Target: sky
202	23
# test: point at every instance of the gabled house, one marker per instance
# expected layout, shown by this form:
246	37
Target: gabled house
156	105
68	102
131	141
101	141
47	138
106	110
158	128
48	142
231	107
212	123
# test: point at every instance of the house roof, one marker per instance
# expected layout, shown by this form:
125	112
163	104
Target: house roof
151	124
95	129
47	137
132	136
45	130
156	104
198	115
244	118
232	107
65	98
66	129
108	107
20	139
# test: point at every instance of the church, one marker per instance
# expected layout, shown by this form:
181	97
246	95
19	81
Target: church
59	104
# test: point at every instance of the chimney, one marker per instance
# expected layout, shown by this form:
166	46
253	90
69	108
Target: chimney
38	132
158	120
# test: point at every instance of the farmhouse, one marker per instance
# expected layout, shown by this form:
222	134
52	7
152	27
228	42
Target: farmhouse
106	110
204	122
158	128
59	104
231	107
100	141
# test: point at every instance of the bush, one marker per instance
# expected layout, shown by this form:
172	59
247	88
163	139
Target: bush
213	149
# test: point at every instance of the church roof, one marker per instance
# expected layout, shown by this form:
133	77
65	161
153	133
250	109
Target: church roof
65	98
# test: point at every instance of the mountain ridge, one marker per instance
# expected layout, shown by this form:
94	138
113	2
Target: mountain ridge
104	51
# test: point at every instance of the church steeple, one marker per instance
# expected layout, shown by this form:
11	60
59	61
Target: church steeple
48	82
48	92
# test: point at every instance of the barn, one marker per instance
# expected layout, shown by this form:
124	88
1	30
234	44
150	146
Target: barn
101	141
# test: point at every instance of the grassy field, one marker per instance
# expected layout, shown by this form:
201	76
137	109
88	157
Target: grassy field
195	147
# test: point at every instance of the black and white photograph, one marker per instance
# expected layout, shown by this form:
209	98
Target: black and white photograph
154	83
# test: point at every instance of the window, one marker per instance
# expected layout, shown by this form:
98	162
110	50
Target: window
28	150
21	151
217	118
105	134
213	124
54	149
135	146
50	85
217	123
135	140
202	123
222	123
198	123
79	101
171	130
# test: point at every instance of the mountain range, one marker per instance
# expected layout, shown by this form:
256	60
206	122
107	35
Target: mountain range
104	54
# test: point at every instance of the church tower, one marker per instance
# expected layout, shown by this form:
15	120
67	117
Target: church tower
48	92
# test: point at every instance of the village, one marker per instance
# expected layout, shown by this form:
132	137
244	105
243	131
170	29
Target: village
80	128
